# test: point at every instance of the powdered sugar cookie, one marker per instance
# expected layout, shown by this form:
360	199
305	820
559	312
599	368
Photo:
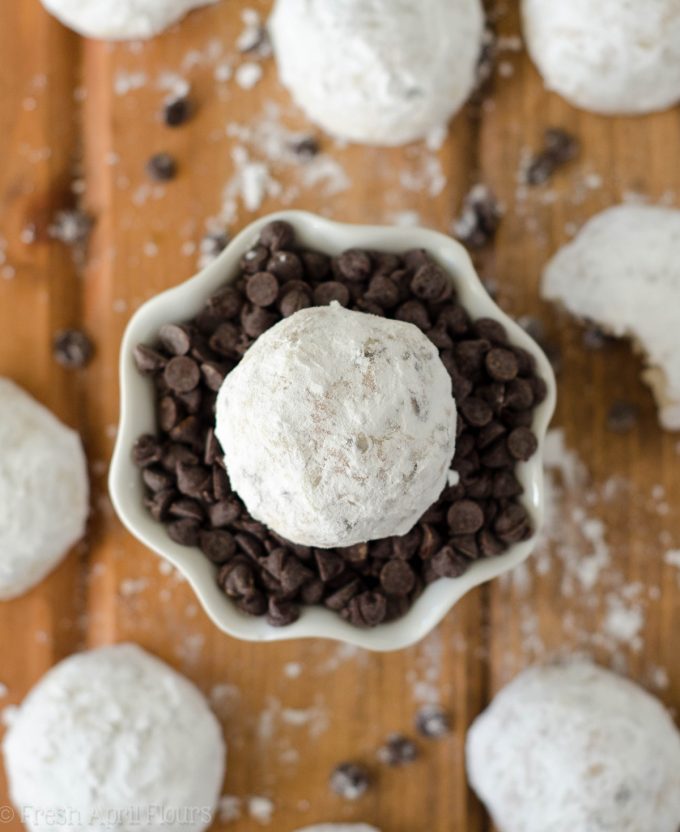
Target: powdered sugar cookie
609	56
121	19
623	272
378	71
44	490
114	739
574	748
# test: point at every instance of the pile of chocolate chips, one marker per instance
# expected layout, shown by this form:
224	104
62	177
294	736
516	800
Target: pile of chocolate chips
494	384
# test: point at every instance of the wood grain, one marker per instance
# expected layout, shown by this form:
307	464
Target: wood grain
292	711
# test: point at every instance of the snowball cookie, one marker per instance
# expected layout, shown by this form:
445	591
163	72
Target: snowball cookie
609	56
44	493
380	72
574	748
339	827
623	272
338	427
121	19
115	737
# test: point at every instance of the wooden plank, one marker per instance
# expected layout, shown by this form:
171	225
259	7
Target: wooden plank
39	294
346	702
631	481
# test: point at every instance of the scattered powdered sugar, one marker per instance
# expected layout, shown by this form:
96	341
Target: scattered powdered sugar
4	690
229	808
248	74
260	809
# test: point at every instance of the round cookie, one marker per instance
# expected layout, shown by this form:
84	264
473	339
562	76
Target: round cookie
609	56
338	427
382	72
121	741
44	492
339	827
574	748
621	271
121	19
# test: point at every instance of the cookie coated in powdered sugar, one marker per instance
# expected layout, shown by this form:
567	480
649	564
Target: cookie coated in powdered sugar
111	737
339	827
121	19
44	491
382	72
609	56
623	272
338	427
574	748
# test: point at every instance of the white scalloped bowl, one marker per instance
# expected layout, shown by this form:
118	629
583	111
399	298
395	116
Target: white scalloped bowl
137	416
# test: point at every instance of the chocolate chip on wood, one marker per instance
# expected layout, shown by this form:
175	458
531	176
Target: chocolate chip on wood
187	487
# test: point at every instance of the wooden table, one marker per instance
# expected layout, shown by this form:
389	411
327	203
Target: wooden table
78	121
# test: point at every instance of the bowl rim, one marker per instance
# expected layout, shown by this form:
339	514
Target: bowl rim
137	416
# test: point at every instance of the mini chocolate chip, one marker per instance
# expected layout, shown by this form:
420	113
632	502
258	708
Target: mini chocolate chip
512	524
489	329
539	388
293	302
470	354
489	434
306	148
465	517
354	265
184	532
317	265
501	364
225	338
397	750
329	564
496	455
329	291
414	312
176	111
159	504
162	167
175	338
559	148
221	488
218	546
146	451
282	613
349	781
194	480
489	545
447	563
255	259
505	485
397	578
383	291
237	578
147	360
254	603
224	513
431	541
173	454
479	219
415	258
157	479
476	412
256	320
182	374
366	610
341	597
519	394
262	288
191	400
407	545
72	349
312	593
227	303
277	235
286	266
622	417
522	444
188	509
433	722
213	375
249	544
429	282
440	337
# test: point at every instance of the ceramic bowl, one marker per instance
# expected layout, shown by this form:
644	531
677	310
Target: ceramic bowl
137	416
